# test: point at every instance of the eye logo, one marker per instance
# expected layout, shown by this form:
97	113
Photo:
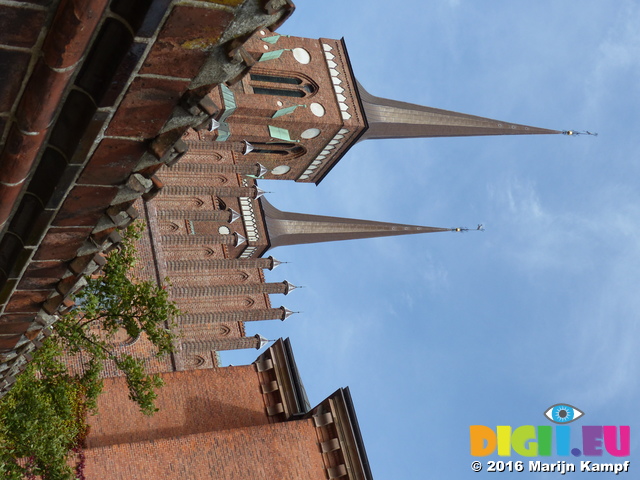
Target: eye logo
563	413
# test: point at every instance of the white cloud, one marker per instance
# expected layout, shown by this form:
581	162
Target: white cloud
604	350
534	238
616	55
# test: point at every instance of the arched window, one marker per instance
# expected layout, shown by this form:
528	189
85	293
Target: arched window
276	153
278	149
281	85
275	79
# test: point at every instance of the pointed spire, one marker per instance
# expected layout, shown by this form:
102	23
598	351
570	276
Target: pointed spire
394	119
239	239
234	215
248	148
286	313
286	228
261	341
289	287
275	262
263	170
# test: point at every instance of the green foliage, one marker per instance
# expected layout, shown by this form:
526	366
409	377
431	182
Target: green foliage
43	417
116	301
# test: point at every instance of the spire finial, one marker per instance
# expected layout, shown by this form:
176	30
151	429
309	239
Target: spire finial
479	228
248	148
289	287
575	133
286	313
260	192
261	341
239	239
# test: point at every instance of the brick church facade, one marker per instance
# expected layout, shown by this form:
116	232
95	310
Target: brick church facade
292	116
172	111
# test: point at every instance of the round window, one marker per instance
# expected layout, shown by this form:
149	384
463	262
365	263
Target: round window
223	230
310	133
281	170
317	109
301	55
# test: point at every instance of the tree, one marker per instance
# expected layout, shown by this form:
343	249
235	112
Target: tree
115	301
43	417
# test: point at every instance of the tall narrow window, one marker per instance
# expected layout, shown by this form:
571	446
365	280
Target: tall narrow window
278	92
281	85
279	149
275	79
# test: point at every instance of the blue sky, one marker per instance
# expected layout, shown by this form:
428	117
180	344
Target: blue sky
437	332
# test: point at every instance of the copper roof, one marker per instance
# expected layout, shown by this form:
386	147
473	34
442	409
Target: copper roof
393	119
286	228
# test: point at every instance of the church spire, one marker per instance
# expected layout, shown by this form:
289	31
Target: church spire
286	228
394	119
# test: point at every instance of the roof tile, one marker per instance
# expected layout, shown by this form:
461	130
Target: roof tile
62	243
85	205
25	301
20	27
41	275
147	105
14	66
112	162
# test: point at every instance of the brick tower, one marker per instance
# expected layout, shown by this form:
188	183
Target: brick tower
209	232
293	115
300	108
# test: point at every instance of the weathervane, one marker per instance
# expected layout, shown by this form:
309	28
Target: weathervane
574	133
479	228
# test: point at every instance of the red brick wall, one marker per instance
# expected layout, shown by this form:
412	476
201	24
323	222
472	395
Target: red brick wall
287	451
191	402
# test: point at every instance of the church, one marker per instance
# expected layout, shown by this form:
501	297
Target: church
210	228
184	150
210	231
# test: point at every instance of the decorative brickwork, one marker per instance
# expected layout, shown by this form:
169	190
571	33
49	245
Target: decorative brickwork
243	168
236	316
251	192
231	290
211	216
199	240
220	263
223	344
